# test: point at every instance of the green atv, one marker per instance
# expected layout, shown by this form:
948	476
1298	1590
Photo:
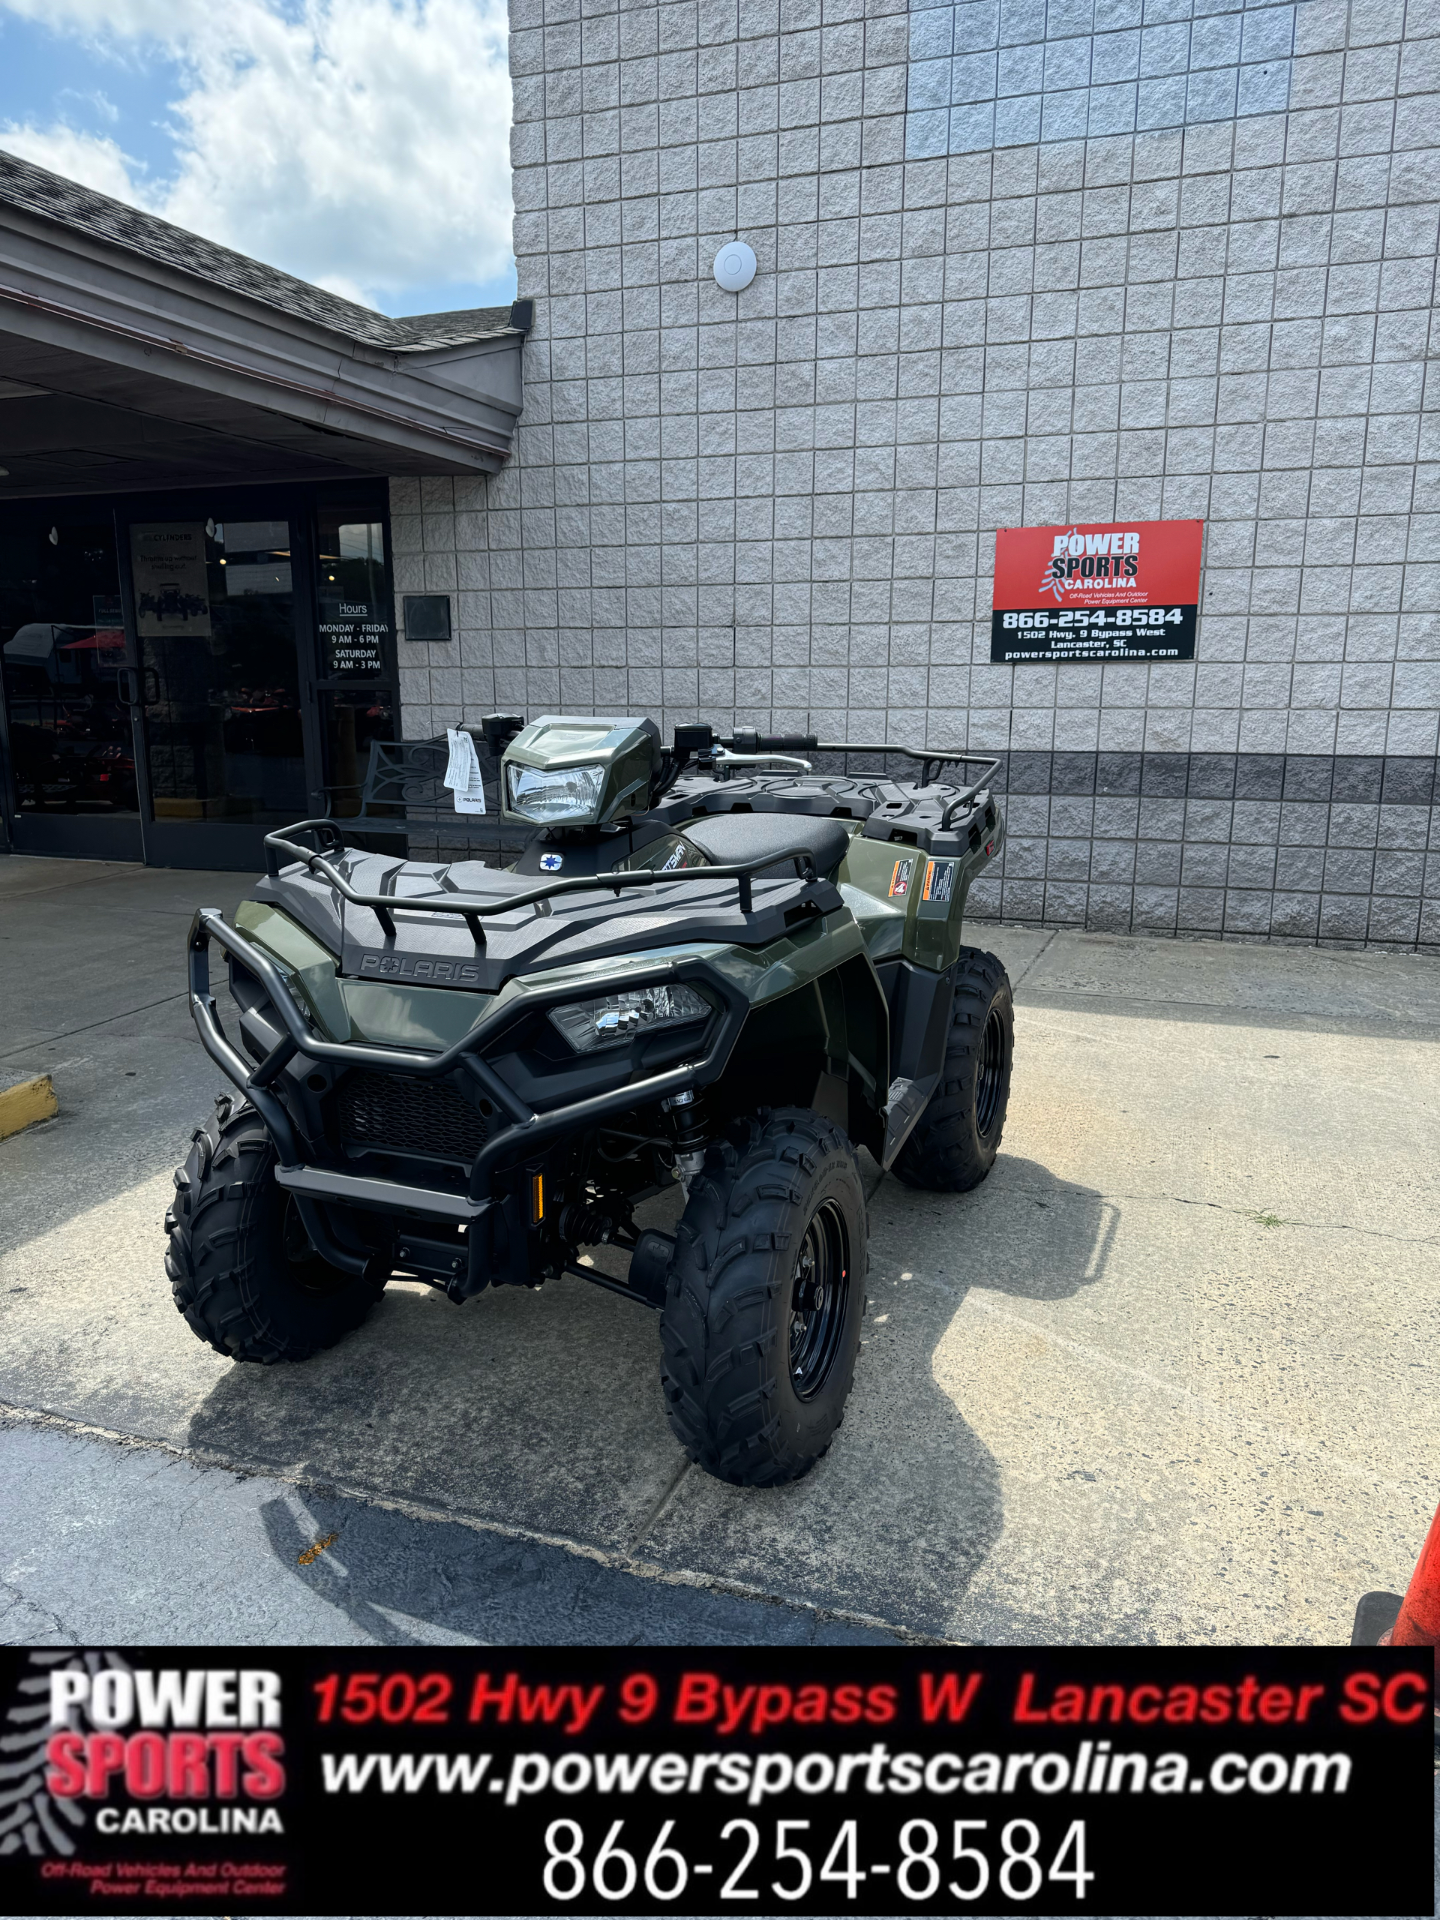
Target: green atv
710	965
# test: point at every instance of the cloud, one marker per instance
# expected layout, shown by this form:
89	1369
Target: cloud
363	144
89	158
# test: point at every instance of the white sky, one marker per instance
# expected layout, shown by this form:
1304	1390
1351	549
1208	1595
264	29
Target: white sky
362	144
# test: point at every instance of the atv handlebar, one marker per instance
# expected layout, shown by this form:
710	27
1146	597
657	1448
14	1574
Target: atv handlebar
749	742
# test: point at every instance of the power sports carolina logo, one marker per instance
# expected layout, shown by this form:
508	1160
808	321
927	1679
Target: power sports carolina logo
1127	590
1081	559
195	1750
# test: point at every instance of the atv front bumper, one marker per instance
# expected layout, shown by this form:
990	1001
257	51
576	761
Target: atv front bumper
493	1229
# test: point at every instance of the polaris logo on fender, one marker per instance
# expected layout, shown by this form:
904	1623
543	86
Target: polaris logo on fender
428	973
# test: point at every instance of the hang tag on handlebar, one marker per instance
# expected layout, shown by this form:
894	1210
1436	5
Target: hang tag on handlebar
462	773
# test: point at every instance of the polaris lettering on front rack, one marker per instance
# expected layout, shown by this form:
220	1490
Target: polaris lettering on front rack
429	973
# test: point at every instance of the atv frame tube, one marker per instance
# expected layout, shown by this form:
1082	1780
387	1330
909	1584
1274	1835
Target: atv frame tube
528	1129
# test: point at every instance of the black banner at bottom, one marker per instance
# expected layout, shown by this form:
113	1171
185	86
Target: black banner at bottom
699	1780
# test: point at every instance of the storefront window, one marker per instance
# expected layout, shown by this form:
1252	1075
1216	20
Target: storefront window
239	641
215	616
352	721
62	641
354	597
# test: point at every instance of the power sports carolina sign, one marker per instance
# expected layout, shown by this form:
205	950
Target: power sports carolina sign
1109	590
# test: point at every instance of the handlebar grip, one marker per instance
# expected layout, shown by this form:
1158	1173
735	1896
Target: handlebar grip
774	742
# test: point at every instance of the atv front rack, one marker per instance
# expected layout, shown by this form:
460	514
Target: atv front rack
473	912
526	1129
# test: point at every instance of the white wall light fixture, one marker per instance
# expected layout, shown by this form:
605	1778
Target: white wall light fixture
735	266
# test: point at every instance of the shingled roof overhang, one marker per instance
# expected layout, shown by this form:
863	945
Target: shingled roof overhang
136	355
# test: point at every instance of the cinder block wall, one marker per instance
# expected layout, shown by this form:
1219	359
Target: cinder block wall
1193	278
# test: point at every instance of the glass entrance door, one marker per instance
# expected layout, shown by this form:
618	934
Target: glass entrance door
216	600
184	672
67	687
356	677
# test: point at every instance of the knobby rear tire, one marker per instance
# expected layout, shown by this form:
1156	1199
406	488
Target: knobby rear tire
726	1327
957	1137
242	1271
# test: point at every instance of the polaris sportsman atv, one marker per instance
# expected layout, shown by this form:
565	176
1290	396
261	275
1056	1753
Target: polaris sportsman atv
711	966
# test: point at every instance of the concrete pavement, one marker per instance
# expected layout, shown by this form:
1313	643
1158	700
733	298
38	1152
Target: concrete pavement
1167	1376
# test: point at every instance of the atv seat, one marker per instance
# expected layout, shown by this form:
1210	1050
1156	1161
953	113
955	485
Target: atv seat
730	838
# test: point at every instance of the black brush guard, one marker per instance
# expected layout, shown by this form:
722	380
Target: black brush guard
525	1130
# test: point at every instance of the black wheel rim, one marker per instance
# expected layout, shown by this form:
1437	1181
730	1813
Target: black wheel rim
819	1294
991	1075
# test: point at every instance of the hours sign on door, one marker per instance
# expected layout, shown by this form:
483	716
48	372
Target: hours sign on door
1098	590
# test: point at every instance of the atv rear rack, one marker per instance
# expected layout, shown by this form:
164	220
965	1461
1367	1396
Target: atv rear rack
762	743
385	905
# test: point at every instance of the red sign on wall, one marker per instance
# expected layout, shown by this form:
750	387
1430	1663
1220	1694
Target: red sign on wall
1101	590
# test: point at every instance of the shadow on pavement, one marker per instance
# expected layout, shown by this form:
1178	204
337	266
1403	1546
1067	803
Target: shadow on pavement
900	1517
542	1411
407	1582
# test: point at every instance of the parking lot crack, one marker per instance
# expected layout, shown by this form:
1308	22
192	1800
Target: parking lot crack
19	1598
1038	955
661	1504
49	1039
1279	1442
1257	1217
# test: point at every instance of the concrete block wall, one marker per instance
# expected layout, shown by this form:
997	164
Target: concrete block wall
780	507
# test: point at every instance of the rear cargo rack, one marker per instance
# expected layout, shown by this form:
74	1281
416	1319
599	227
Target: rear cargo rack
330	841
927	756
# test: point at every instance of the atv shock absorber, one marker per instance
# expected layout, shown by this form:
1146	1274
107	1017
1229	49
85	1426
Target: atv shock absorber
686	1114
588	1225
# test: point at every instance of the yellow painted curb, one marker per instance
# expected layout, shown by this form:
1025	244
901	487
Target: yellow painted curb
26	1103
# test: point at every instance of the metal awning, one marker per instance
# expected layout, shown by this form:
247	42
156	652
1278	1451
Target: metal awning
134	355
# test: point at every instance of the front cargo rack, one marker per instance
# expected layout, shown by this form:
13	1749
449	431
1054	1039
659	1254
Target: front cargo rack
385	905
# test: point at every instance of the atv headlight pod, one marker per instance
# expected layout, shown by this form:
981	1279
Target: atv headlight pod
591	1024
549	795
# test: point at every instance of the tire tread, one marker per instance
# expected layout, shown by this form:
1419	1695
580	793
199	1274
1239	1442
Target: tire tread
720	1332
217	1290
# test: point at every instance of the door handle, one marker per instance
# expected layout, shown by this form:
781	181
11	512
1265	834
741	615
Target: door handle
132	686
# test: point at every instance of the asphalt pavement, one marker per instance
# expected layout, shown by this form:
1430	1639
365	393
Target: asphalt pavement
1168	1376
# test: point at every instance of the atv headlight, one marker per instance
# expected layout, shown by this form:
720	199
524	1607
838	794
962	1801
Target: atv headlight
547	794
588	1024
